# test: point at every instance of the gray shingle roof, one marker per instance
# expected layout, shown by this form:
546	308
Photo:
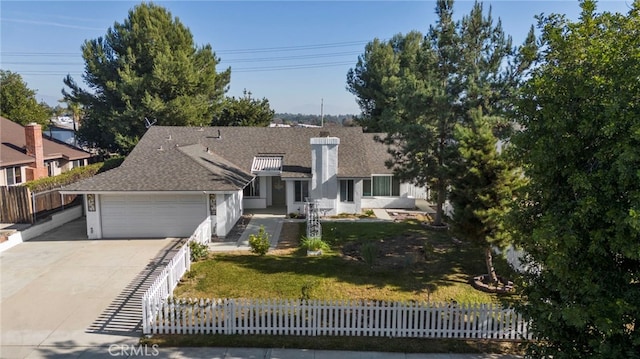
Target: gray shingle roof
219	158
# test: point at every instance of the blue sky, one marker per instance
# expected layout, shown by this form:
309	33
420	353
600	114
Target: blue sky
293	53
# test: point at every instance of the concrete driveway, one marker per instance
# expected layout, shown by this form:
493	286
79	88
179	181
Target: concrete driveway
63	295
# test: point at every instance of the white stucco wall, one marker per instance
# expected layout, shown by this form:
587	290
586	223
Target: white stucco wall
292	205
324	169
403	201
229	209
389	202
264	199
254	202
356	205
94	226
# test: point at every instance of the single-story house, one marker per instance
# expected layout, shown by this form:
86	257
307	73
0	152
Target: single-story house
25	155
177	176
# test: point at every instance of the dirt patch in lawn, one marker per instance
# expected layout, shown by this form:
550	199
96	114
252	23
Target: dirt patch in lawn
393	253
400	216
289	238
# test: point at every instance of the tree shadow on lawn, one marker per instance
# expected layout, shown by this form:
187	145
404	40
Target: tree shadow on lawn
446	264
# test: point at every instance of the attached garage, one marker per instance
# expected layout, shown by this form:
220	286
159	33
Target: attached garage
151	216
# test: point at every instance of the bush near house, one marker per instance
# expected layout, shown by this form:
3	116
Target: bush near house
73	175
260	243
314	244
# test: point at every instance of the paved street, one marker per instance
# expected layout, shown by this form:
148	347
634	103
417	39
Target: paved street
60	290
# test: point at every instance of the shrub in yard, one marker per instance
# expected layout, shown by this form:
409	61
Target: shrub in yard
198	251
260	243
307	288
314	244
369	253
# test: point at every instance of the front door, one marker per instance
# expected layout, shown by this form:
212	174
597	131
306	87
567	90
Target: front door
278	192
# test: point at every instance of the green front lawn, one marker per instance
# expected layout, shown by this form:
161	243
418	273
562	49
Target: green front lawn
413	263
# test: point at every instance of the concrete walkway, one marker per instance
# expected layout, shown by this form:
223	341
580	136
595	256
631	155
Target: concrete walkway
382	214
272	224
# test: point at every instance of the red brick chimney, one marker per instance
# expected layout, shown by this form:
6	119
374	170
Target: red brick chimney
33	137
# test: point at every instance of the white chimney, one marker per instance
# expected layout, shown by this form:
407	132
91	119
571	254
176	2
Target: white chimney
324	170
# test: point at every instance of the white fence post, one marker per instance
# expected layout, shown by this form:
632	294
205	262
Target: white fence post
167	281
336	318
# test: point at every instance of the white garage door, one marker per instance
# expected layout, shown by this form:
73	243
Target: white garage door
151	216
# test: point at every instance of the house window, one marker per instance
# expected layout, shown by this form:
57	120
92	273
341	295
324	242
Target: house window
301	190
78	163
50	165
253	188
383	186
366	188
346	190
14	175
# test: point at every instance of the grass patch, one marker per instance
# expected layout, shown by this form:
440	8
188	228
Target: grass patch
437	271
401	345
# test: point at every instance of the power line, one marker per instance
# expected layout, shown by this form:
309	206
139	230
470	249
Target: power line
292	48
225	61
289	67
233	70
232	51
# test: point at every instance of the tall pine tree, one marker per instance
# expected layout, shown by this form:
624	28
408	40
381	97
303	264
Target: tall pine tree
146	67
458	66
484	185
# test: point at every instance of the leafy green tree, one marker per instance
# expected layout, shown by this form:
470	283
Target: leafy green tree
417	89
18	102
484	184
146	67
580	222
376	76
244	111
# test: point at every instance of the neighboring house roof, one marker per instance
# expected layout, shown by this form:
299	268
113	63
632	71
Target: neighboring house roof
171	158
12	150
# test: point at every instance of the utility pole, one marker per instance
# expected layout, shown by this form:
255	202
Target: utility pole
321	112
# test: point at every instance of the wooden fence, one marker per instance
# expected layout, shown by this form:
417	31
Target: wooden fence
51	200
19	205
336	318
15	205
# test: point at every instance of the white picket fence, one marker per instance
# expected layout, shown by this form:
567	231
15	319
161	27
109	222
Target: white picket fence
170	276
335	318
162	314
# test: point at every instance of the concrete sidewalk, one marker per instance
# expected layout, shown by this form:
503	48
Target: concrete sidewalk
122	351
272	224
